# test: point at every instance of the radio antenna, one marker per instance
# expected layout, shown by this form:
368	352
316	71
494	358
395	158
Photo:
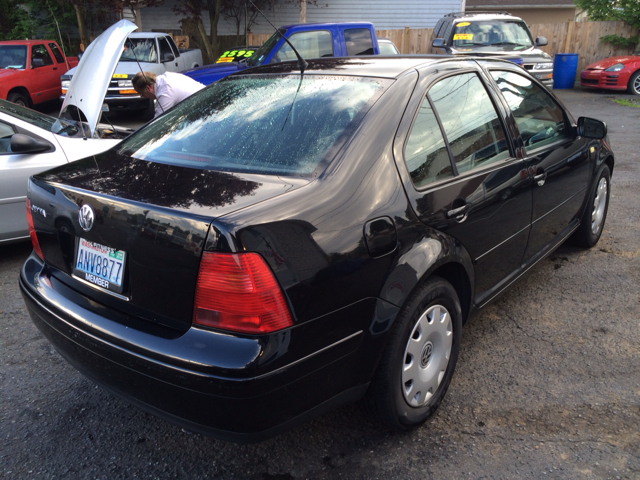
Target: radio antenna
301	62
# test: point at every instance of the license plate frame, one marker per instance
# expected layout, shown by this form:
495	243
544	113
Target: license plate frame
87	267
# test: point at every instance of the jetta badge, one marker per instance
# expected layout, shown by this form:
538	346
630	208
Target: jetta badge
86	217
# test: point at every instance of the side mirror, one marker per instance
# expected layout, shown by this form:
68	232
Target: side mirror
541	41
168	57
438	43
21	143
37	62
591	128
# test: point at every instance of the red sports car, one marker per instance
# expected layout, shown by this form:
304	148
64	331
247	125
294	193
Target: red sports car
614	73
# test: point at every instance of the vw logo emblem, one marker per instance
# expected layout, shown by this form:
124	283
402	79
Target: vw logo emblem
86	217
425	357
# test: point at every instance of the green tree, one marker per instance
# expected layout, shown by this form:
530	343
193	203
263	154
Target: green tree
192	11
626	10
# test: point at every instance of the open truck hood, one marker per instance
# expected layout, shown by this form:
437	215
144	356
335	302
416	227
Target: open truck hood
92	75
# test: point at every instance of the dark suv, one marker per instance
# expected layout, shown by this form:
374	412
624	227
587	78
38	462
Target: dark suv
489	34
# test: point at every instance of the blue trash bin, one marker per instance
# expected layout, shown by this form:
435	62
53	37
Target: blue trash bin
564	70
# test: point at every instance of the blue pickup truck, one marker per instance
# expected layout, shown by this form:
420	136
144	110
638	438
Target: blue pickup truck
311	40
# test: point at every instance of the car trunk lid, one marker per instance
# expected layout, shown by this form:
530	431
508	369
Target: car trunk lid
153	218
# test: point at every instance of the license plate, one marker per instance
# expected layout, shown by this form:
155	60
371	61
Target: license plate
101	265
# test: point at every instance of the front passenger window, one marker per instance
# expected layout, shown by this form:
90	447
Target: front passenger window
539	119
308	44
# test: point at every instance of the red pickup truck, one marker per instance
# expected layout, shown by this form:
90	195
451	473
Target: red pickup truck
30	71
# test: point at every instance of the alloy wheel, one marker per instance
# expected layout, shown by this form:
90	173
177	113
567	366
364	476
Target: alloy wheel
599	205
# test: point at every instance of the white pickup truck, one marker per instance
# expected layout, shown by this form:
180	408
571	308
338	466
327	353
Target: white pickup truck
151	52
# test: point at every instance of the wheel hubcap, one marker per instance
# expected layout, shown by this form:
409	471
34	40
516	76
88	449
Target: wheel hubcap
599	204
636	85
427	355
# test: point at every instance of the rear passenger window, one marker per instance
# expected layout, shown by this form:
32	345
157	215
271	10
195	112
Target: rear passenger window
308	44
56	53
539	119
426	153
358	41
470	121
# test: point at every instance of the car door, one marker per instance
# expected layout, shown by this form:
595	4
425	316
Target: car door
180	59
167	56
45	75
465	178
15	170
556	157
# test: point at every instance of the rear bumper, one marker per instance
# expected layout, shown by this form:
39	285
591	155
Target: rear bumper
197	380
602	79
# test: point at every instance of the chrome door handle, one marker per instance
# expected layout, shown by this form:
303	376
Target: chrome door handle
459	213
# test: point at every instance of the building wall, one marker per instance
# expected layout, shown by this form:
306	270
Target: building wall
384	14
544	15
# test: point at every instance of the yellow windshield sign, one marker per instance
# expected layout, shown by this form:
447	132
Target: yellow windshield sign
231	55
462	24
463	36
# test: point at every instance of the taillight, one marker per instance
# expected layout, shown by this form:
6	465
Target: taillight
32	231
238	292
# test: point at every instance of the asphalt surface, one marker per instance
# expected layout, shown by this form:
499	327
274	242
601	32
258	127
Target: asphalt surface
547	384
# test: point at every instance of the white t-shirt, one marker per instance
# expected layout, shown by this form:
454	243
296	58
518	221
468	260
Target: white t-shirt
171	88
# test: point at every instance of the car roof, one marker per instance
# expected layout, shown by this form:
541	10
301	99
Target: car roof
329	24
24	42
365	66
147	34
470	17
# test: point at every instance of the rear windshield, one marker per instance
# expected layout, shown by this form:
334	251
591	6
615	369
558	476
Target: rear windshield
277	125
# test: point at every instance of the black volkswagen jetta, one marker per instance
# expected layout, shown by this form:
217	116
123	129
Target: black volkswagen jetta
281	243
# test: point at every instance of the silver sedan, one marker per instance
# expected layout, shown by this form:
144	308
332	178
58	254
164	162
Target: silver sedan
31	142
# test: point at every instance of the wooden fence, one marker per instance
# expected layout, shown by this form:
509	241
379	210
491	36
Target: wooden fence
582	38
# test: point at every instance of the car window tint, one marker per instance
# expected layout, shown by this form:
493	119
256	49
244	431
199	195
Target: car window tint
39	52
56	53
165	49
447	31
13	56
358	41
470	121
5	138
6	130
174	47
276	125
308	44
50	124
540	119
426	153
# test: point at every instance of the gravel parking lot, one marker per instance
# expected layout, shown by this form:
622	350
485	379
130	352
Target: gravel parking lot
547	384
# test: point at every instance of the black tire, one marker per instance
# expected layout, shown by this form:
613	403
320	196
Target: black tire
389	396
595	213
19	99
633	87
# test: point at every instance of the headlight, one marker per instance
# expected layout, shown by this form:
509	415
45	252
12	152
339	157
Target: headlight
543	66
614	68
125	83
66	83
